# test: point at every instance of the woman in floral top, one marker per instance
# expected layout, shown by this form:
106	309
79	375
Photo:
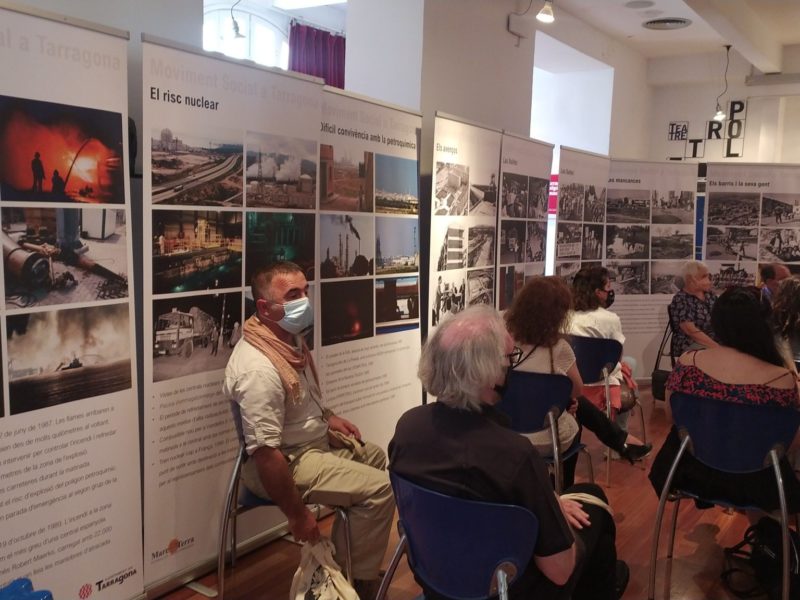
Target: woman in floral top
690	310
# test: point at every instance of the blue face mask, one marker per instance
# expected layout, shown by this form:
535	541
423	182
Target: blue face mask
298	315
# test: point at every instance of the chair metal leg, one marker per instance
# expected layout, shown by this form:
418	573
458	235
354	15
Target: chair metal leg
234	516
502	585
228	510
557	466
671	548
641	419
390	570
784	525
608	414
348	557
588	456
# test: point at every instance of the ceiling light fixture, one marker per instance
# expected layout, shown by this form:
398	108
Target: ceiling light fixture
546	14
236	32
720	114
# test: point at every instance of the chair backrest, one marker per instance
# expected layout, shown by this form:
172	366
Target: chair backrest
733	437
456	545
530	396
593	355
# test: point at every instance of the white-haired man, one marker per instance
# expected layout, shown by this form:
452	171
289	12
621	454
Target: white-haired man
272	382
456	446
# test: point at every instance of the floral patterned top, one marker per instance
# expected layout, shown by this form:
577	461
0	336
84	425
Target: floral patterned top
688	308
688	379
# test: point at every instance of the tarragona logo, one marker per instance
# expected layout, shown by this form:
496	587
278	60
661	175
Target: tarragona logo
175	545
85	591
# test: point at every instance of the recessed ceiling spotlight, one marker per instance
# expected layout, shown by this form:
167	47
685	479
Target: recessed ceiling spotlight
639	4
667	23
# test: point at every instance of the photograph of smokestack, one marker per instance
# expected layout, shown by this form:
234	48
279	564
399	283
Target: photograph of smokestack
63	255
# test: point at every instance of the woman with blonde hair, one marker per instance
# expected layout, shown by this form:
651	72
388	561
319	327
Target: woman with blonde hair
690	310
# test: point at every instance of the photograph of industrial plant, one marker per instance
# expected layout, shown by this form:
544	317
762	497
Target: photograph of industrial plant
396	245
281	172
396	299
347	313
58	153
347	181
195	170
66	355
451	191
63	255
194	334
396	185
346	245
272	237
196	250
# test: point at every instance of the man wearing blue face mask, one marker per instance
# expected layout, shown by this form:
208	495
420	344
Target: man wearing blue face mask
299	451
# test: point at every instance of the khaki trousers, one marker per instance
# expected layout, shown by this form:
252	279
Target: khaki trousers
355	481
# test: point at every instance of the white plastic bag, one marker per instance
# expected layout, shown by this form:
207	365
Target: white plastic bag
318	577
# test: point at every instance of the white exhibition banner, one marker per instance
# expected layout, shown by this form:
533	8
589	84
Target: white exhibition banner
230	184
524	193
466	164
753	216
368	305
649	235
69	435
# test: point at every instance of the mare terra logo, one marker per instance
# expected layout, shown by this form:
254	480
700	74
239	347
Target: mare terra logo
175	545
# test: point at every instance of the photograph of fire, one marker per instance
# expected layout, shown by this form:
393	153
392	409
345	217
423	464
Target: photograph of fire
196	250
66	355
63	255
58	153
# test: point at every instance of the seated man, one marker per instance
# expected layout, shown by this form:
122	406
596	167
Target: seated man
771	276
457	447
294	458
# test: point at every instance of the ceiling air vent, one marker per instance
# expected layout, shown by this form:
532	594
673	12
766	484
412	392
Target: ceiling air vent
666	23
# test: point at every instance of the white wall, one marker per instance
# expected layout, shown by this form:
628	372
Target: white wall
384	50
179	20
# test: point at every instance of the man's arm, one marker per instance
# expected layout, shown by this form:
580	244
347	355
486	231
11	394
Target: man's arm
557	567
279	485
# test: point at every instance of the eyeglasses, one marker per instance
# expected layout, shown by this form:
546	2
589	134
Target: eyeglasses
515	356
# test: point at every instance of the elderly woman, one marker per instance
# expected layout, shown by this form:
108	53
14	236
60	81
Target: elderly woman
690	310
786	320
456	446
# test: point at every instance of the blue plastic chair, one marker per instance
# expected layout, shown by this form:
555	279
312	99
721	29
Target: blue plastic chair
238	500
461	549
533	402
733	438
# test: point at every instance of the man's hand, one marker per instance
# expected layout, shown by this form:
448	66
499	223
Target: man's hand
304	527
574	514
343	426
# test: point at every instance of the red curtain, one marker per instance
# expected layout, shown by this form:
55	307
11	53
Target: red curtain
316	52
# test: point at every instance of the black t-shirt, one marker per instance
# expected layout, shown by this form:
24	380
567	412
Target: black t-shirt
469	455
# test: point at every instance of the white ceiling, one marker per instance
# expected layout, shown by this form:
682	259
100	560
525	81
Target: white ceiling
757	29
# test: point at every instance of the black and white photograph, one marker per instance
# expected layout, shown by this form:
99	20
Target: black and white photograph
629	277
570	202
346	245
277	236
483	196
779	245
396	245
396	185
566	270
194	334
674	207
347	312
538	197
63	255
450	295
281	171
451	245
196	250
512	241
672	241
665	276
594	204
780	209
346	180
480	287
512	278
592	242
628	206
733	208
534	269
568	240
731	274
628	241
480	252
535	241
396	299
451	192
189	169
514	195
66	355
731	243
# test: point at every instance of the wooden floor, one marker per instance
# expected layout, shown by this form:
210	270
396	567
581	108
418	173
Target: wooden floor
266	574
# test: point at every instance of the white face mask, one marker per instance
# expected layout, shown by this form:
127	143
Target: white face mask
298	315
